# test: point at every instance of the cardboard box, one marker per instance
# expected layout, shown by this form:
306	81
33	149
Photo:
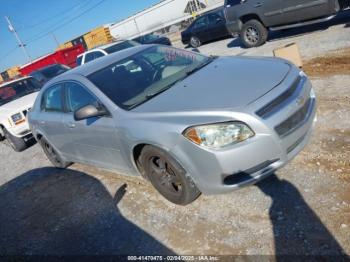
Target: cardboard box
289	52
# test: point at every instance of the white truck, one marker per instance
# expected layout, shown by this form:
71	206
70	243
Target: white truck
16	99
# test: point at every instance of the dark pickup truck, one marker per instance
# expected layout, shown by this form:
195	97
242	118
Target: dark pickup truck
252	19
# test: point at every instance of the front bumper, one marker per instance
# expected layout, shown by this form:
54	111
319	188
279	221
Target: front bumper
222	171
21	131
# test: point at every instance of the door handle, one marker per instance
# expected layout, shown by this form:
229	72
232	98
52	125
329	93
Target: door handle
258	4
71	125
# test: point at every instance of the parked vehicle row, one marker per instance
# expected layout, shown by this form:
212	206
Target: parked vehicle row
104	50
253	19
207	27
152	39
178	118
46	73
16	99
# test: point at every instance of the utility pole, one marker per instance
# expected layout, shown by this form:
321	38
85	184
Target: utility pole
54	38
20	43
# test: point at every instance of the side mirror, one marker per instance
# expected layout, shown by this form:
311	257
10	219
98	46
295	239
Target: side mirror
89	111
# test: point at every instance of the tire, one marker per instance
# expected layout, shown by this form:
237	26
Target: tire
253	33
54	157
18	144
195	42
167	176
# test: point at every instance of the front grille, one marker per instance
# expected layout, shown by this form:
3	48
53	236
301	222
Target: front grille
246	175
293	121
344	4
271	107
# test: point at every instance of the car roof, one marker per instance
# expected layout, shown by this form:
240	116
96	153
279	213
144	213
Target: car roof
102	62
14	81
108	45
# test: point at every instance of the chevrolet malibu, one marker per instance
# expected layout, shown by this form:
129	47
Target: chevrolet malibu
186	122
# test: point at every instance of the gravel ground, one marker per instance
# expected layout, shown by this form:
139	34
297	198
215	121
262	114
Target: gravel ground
303	209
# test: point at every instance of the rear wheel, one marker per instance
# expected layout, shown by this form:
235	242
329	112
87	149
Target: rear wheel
17	143
53	155
253	33
195	42
167	176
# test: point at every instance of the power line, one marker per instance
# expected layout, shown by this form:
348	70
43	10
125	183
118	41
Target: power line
39	36
53	17
20	43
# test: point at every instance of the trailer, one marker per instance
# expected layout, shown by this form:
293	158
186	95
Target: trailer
161	15
65	56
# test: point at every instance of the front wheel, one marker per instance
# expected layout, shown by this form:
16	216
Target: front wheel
53	155
195	42
167	176
253	33
17	143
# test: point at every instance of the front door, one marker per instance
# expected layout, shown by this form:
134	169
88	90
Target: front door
301	10
51	116
216	26
200	27
94	140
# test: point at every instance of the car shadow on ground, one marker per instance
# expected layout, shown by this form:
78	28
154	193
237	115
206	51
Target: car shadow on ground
341	18
297	229
48	211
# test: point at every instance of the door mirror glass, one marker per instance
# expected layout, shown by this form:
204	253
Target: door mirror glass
89	111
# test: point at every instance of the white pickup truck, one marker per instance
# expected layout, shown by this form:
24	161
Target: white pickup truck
16	98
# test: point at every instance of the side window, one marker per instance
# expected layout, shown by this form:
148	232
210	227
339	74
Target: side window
52	99
89	57
99	54
201	22
214	19
77	96
233	2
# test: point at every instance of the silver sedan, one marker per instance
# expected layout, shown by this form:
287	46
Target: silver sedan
186	122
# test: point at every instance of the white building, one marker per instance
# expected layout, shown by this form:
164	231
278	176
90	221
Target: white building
161	15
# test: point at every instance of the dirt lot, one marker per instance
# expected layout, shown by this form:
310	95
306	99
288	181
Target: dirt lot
303	209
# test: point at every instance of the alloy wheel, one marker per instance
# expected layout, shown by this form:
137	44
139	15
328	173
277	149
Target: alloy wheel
252	35
165	176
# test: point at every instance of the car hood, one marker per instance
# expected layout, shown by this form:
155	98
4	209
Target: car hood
227	82
19	104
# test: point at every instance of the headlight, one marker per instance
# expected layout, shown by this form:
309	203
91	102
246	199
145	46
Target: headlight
219	135
16	117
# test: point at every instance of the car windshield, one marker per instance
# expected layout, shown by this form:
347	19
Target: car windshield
140	77
120	46
52	71
13	91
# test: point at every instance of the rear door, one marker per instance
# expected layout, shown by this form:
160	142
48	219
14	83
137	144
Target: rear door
217	25
92	140
301	10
